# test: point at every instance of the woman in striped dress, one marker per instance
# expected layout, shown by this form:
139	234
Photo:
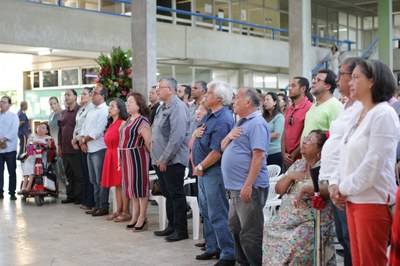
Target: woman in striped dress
134	148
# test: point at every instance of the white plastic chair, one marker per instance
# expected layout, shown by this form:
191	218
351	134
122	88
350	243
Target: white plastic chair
272	202
194	205
276	178
273	170
161	201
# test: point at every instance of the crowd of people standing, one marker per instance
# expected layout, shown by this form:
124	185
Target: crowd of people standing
227	140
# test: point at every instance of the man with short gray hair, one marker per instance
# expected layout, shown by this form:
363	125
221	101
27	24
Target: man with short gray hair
170	156
244	169
207	153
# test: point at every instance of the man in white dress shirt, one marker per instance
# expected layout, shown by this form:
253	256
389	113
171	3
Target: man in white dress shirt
92	142
9	124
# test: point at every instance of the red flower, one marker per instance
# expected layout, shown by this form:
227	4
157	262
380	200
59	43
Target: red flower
318	202
327	134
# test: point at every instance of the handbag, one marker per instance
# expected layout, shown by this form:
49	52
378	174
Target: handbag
49	184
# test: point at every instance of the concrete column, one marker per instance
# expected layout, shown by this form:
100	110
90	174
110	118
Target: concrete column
299	38
144	46
385	35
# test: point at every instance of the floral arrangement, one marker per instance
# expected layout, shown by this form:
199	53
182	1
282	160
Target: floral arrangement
115	72
318	202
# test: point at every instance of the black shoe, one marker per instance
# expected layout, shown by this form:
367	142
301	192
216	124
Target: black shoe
92	211
67	200
207	256
177	237
13	197
101	212
141	228
200	245
223	262
166	232
203	249
77	202
1	196
131	226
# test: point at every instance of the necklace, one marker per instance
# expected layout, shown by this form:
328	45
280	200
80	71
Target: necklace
353	129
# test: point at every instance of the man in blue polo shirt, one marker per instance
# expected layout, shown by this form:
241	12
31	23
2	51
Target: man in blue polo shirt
207	158
244	169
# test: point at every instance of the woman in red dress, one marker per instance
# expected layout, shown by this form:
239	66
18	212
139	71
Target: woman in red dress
112	176
134	147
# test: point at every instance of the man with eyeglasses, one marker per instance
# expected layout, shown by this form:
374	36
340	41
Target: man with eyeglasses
9	124
326	107
331	150
294	121
92	142
170	156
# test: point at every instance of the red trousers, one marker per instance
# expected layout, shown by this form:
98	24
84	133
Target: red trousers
369	227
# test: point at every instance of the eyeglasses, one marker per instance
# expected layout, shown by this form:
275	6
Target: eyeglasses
95	93
5	102
318	80
291	119
161	87
343	73
309	140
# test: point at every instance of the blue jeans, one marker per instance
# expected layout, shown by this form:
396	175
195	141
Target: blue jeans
88	192
214	208
342	233
10	158
246	221
171	182
95	165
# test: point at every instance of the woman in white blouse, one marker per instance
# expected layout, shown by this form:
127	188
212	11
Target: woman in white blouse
365	179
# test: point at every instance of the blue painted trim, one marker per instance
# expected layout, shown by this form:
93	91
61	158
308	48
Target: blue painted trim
369	48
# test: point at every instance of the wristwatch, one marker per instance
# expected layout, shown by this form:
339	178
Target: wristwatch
199	167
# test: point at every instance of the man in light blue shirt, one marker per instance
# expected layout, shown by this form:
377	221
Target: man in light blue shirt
9	124
244	169
207	153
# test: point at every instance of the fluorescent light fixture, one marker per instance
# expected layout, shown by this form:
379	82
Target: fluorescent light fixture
45	52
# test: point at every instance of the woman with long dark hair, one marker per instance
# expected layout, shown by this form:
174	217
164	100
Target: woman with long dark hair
274	117
112	175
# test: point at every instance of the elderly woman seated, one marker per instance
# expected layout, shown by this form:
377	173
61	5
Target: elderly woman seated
289	236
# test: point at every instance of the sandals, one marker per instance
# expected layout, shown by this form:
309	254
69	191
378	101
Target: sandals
123	218
113	216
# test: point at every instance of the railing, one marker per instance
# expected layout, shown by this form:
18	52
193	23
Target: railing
218	23
221	20
316	38
324	61
369	50
370	47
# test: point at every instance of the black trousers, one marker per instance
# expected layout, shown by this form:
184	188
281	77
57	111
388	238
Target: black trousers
73	171
171	182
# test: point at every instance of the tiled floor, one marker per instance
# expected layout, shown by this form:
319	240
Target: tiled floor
58	234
